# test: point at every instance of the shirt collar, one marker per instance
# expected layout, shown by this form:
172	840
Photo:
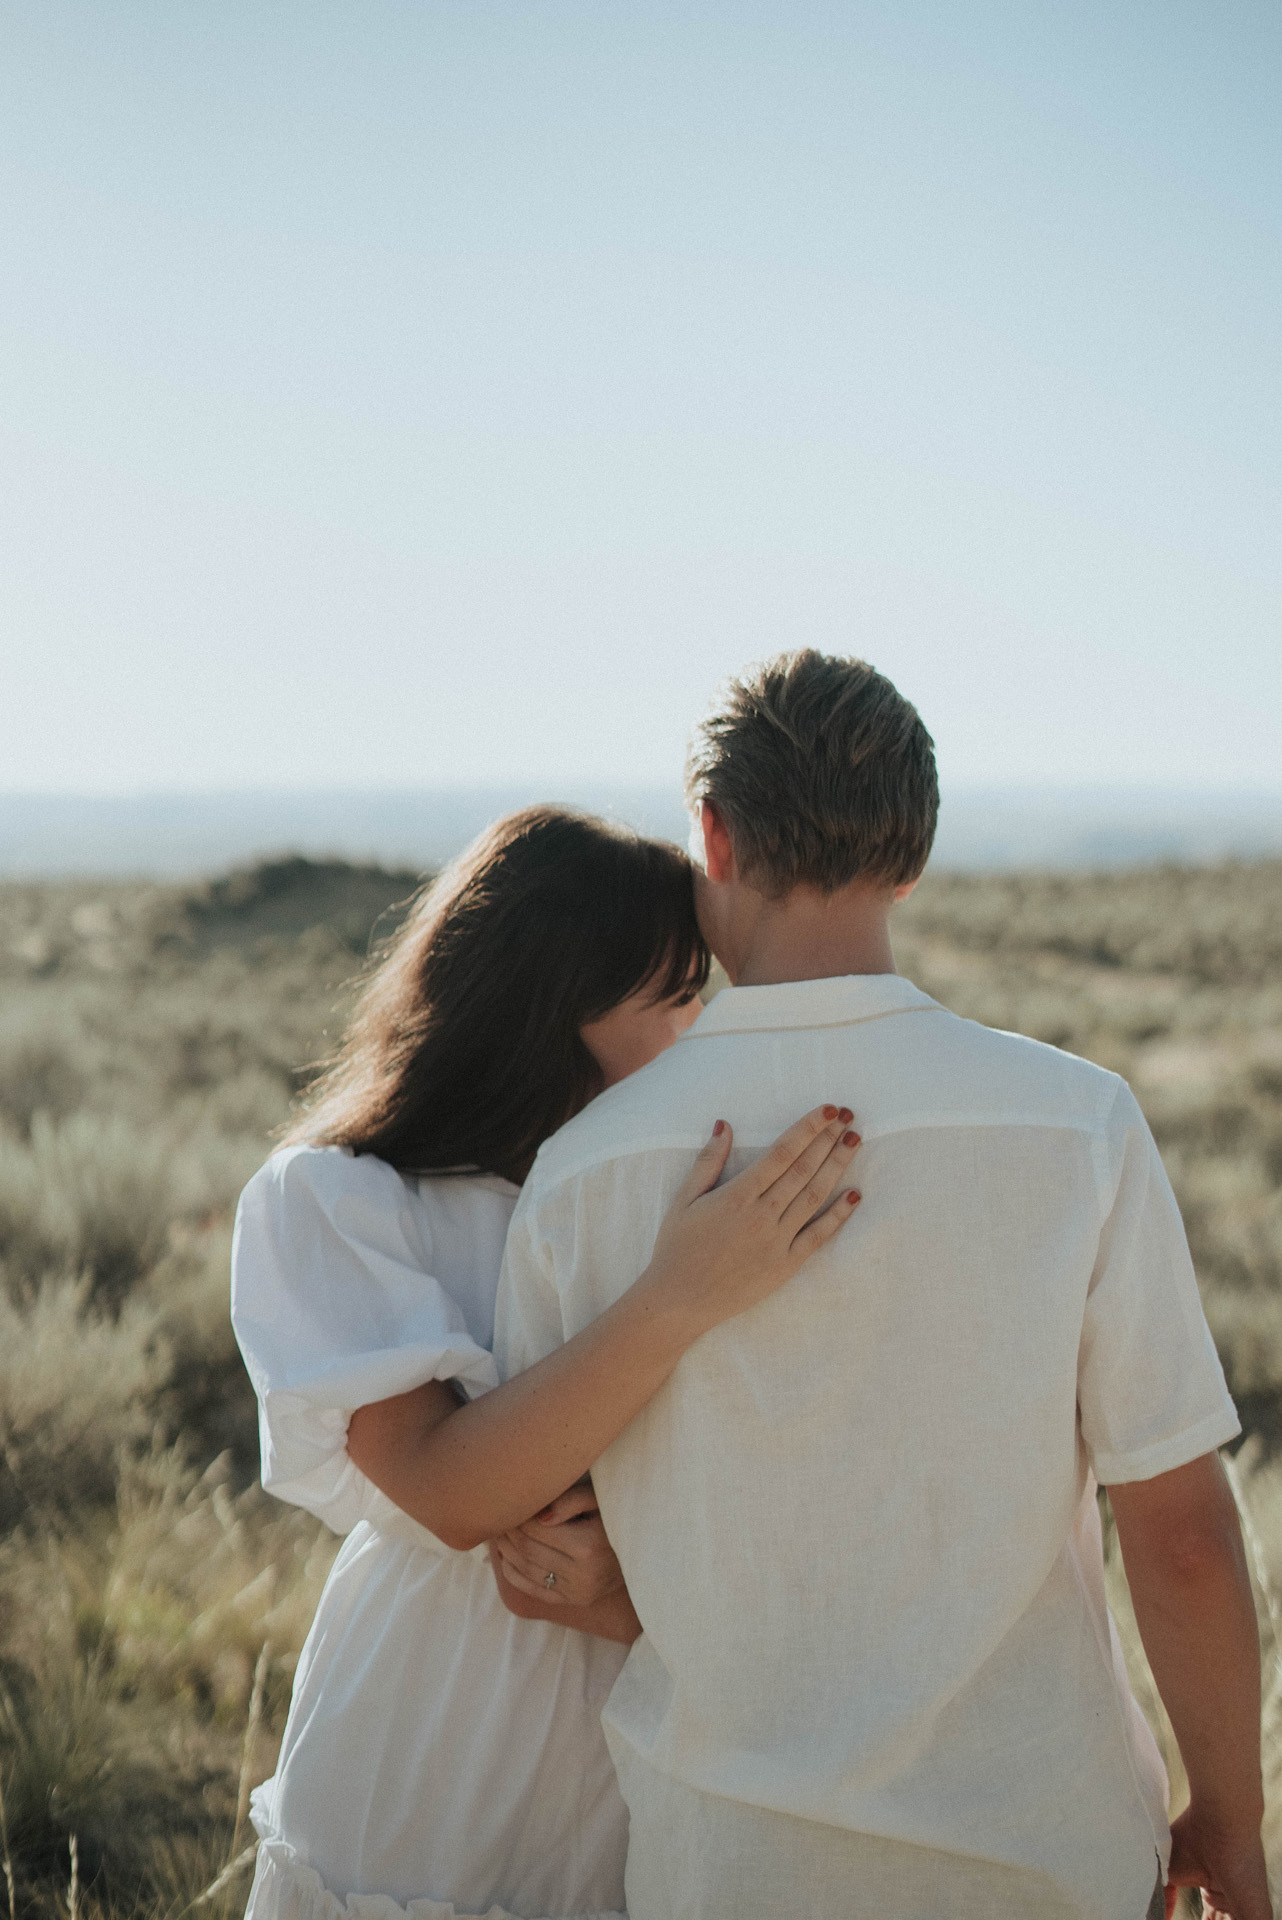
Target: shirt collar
838	1002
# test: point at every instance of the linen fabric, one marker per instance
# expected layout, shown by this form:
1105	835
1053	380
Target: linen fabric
696	1856
441	1757
858	1523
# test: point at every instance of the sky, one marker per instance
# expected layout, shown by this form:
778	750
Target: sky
400	394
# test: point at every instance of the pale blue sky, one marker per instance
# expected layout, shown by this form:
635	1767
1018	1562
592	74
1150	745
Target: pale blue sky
402	394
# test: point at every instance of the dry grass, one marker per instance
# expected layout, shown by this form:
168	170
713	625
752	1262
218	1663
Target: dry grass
152	1601
133	1657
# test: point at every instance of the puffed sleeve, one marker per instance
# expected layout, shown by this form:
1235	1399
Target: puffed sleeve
1150	1388
334	1306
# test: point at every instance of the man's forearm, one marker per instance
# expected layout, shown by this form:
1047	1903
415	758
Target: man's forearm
1193	1604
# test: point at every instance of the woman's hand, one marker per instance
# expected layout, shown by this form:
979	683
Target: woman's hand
613	1618
722	1249
562	1556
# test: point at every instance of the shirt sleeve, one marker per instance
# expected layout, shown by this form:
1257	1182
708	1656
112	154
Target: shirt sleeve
528	1319
334	1306
1150	1389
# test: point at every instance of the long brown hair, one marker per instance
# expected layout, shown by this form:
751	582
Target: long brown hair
464	1052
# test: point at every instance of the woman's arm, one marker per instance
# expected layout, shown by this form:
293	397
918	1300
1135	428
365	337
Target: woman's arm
473	1471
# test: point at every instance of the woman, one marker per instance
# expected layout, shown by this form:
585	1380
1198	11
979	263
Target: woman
443	1753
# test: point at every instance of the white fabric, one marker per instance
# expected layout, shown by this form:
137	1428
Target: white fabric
696	1856
858	1523
441	1756
284	1887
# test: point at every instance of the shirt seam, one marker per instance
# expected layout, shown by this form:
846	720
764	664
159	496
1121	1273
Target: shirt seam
685	1142
699	1032
1106	1187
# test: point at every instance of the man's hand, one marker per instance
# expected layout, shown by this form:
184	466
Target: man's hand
1226	1866
562	1556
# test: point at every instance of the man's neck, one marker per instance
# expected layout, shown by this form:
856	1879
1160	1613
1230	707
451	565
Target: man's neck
813	936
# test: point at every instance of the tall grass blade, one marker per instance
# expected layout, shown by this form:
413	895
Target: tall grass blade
1271	1704
8	1863
251	1741
224	1879
1255	1548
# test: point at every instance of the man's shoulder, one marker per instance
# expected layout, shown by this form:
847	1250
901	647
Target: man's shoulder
666	1105
1033	1073
1020	1054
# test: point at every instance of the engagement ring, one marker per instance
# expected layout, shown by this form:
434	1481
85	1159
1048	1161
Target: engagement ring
549	1580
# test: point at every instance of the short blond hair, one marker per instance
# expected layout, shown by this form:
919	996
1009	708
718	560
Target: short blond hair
822	772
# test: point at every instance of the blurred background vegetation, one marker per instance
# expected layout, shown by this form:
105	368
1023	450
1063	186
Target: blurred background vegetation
152	1599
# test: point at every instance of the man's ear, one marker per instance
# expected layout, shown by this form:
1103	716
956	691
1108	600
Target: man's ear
902	893
718	849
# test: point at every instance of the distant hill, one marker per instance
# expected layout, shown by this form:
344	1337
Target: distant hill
102	926
279	899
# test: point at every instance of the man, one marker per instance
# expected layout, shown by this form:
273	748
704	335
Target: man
859	1523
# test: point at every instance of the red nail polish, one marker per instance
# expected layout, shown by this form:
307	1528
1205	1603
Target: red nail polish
719	1128
845	1116
830	1113
853	1199
850	1139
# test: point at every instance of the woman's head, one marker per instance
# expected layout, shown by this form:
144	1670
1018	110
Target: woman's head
555	955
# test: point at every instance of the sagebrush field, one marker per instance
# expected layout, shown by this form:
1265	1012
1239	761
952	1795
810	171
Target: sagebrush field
152	1599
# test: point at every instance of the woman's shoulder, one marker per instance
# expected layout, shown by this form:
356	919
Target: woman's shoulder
307	1175
316	1211
335	1256
337	1300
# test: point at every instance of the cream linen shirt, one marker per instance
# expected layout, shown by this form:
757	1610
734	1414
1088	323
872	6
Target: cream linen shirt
858	1522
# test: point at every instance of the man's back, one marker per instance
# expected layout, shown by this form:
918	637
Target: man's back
857	1522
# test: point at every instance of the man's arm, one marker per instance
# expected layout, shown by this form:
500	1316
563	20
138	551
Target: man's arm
1186	1565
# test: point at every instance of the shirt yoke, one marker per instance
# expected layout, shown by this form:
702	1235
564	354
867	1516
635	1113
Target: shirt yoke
911	1072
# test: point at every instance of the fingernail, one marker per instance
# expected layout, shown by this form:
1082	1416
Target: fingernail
830	1113
719	1128
850	1139
845	1116
853	1198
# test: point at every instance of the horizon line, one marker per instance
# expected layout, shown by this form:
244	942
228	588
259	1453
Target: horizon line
1166	787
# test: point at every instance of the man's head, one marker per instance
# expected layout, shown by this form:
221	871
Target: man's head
814	779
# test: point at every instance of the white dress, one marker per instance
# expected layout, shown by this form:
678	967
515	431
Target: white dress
441	1756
